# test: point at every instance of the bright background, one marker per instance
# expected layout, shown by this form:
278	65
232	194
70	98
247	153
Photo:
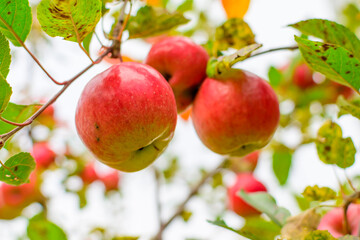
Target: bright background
134	212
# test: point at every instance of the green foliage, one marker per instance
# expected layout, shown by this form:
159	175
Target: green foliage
330	32
172	169
5	57
297	227
217	180
349	107
234	33
265	203
5	94
275	76
332	148
17	169
186	215
15	15
16	113
282	158
40	228
320	194
302	202
150	21
87	41
72	20
335	62
221	223
348	237
351	13
319	235
261	228
187	5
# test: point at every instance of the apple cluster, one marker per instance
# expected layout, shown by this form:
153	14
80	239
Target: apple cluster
127	114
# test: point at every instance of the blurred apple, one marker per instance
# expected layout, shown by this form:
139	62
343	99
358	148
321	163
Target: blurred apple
248	183
244	164
43	155
88	174
110	180
126	116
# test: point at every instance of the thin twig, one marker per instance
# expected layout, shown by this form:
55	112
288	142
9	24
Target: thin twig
274	50
193	192
157	197
30	53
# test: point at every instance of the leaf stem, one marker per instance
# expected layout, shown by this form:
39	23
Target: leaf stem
29	52
274	50
192	193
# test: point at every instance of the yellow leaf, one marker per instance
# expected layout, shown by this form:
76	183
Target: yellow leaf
235	8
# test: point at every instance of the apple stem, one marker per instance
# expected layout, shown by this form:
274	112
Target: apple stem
348	200
192	193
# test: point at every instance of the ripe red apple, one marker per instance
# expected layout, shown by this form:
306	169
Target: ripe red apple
183	64
126	116
43	155
244	164
303	76
248	183
333	221
237	114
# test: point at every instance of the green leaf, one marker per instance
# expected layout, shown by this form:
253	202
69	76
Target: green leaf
15	15
151	21
351	13
281	164
16	113
187	5
72	20
186	215
297	227
87	41
352	107
349	237
221	223
234	33
40	228
319	235
275	76
5	94
265	203
17	169
261	228
332	148
5	57
335	62
330	32
316	193
217	180
302	202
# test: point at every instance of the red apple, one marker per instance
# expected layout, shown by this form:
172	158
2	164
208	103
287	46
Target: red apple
183	64
43	155
333	221
110	180
303	76
88	174
244	164
248	183
237	114
126	116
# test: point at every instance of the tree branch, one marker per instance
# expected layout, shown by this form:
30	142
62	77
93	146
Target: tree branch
192	193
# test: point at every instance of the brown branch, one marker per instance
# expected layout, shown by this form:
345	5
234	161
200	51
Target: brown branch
192	193
29	52
14	123
157	176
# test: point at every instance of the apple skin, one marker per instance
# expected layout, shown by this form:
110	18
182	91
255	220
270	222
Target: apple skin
126	116
237	114
303	76
247	163
248	183
43	155
183	64
333	221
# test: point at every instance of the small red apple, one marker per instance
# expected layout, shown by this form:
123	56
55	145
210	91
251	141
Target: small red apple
303	76
183	64
333	221
236	114
126	116
43	155
244	164
248	183
110	180
88	174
